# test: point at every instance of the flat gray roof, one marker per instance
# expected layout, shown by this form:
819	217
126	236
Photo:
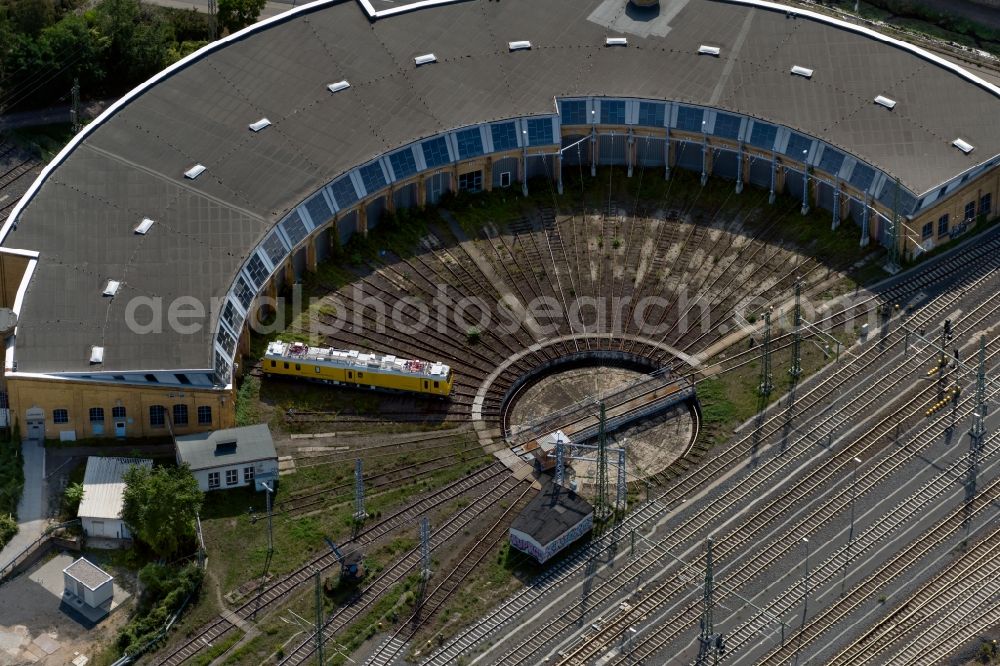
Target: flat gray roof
130	165
88	573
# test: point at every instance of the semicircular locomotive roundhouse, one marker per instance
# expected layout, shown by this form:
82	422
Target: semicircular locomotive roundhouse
134	261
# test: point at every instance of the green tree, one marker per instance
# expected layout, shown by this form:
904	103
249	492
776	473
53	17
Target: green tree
237	14
72	497
159	506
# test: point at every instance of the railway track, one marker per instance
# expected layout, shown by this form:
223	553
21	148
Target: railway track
276	593
764	556
925	315
428	608
395	573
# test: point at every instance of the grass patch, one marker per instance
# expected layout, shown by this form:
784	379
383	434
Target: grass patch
235	521
247	399
730	398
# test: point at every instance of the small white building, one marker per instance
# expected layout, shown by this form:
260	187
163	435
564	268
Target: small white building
230	458
103	488
84	582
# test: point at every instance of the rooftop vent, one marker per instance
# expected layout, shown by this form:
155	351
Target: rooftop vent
709	50
882	100
425	59
144	226
519	46
338	86
194	171
112	288
225	448
97	354
802	71
616	41
963	145
259	125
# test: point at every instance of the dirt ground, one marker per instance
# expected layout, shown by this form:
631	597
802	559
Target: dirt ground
35	629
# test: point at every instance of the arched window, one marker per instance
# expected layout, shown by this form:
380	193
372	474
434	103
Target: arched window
204	415
180	415
118	412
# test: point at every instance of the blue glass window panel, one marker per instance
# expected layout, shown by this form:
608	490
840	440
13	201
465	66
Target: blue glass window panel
226	341
435	152
319	210
244	293
862	176
652	114
274	248
727	126
762	135
613	112
372	177
831	161
221	369
232	317
470	143
256	269
689	118
574	112
798	146
504	136
403	164
539	131
343	192
294	228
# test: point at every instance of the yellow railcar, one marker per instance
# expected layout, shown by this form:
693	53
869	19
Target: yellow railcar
350	367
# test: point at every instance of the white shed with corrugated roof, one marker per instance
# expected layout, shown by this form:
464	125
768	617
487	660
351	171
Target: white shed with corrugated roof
103	490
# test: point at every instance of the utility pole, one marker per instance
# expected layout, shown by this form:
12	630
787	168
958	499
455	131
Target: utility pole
602	510
74	111
796	370
425	547
319	618
893	263
978	430
359	493
622	499
560	477
708	639
766	386
213	19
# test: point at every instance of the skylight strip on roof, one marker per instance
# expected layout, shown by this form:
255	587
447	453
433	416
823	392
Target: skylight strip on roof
709	50
195	171
97	354
425	59
338	86
616	41
963	145
882	100
259	125
802	71
519	45
112	287
144	226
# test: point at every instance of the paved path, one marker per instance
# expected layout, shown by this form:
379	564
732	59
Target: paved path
31	511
